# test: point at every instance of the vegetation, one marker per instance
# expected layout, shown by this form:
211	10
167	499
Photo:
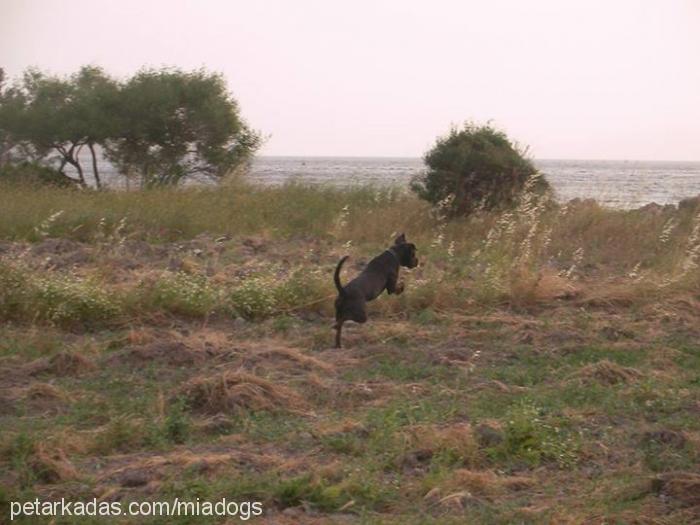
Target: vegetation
476	167
542	366
160	126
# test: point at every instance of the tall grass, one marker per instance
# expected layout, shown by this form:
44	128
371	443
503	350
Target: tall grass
30	213
537	252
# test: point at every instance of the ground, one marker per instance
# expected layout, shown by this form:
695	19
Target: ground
572	409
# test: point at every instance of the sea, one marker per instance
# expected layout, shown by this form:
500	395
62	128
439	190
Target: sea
614	183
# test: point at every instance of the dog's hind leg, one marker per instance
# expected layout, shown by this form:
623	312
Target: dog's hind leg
338	330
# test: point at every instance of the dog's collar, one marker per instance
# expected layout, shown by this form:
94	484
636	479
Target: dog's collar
396	255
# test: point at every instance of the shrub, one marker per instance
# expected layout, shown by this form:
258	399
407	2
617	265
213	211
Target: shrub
476	167
58	299
32	173
13	292
262	296
67	301
254	297
184	294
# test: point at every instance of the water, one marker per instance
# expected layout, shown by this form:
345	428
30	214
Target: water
622	184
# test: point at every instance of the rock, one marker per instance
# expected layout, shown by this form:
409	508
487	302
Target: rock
134	478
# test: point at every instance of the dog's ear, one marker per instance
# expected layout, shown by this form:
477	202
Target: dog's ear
401	239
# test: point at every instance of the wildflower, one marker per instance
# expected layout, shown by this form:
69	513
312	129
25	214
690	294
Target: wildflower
45	226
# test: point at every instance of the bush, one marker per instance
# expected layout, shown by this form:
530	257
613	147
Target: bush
476	167
72	302
191	295
32	173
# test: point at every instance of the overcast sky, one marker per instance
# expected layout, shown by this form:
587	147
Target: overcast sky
613	79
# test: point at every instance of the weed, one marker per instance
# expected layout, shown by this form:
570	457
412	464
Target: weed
532	437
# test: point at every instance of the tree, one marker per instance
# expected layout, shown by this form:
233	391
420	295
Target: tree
54	115
474	167
11	107
172	125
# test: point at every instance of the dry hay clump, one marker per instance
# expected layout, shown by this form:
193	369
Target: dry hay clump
457	441
43	397
51	466
232	392
62	364
484	482
608	373
681	487
469	487
140	471
45	391
284	357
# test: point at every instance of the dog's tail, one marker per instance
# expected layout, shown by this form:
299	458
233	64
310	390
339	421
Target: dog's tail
336	275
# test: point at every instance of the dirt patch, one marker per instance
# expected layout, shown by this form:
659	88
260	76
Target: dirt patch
61	364
171	353
61	253
142	472
232	392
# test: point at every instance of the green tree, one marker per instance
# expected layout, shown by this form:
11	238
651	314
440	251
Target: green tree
11	108
51	115
474	167
173	125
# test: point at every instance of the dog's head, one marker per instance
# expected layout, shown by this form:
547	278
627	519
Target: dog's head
405	252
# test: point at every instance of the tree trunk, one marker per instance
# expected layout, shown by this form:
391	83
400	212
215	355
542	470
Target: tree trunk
95	172
67	157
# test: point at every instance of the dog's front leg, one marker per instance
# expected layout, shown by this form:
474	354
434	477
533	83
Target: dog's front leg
392	287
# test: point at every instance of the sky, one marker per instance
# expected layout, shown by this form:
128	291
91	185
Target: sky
613	79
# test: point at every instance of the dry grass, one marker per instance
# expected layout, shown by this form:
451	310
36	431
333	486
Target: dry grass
540	367
608	373
52	466
236	392
484	483
683	487
62	364
457	440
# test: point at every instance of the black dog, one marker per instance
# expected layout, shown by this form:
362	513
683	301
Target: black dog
381	273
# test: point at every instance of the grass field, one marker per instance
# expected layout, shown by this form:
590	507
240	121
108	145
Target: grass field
543	365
